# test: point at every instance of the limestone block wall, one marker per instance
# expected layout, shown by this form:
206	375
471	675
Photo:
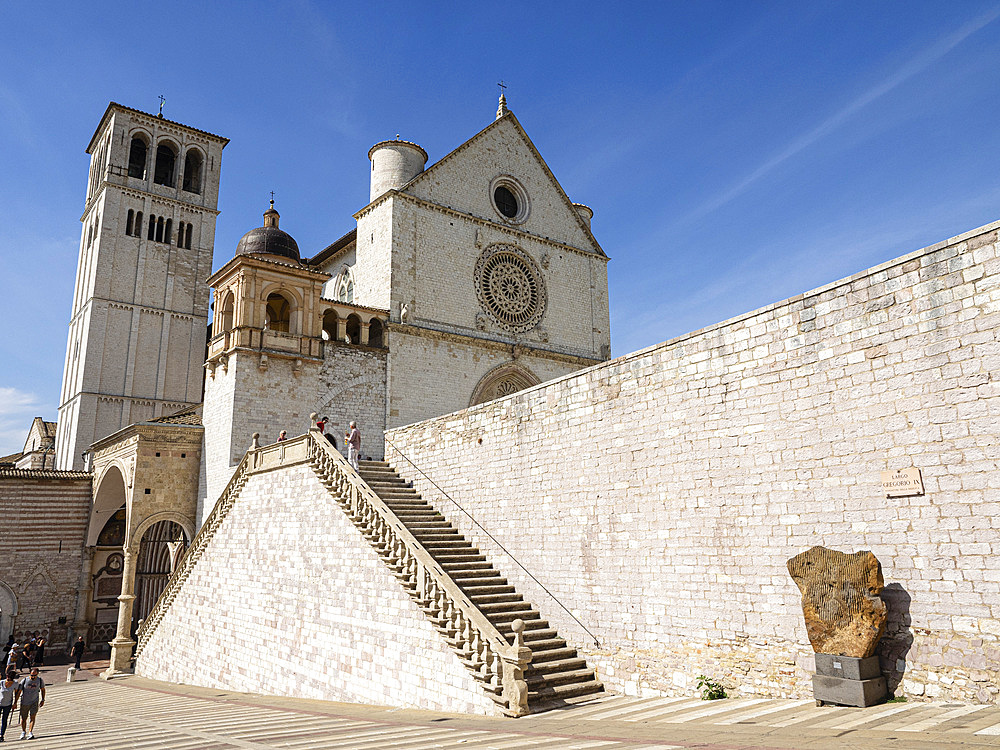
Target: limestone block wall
352	387
431	374
659	495
305	607
41	545
243	399
434	260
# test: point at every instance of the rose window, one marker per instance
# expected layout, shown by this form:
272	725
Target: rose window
510	288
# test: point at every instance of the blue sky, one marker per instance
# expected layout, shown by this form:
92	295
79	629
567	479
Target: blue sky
735	153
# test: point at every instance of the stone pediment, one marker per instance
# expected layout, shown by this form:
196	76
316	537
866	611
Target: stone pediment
502	154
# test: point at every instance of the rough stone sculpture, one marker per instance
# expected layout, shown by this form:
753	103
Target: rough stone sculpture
840	600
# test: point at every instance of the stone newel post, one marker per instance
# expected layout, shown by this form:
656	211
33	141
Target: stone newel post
122	645
514	661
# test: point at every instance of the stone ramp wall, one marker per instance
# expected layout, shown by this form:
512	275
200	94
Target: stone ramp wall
290	599
659	495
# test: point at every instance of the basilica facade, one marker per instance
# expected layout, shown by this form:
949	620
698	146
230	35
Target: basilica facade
459	282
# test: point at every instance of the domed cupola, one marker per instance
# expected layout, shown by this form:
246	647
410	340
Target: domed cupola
268	239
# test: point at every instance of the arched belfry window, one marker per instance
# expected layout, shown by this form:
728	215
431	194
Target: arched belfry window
192	171
278	315
137	157
166	162
227	312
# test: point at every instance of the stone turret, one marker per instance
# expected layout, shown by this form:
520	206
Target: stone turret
394	163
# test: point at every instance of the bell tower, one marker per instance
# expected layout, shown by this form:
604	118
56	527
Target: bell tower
140	308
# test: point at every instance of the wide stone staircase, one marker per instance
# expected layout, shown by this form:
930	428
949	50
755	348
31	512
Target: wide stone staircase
556	672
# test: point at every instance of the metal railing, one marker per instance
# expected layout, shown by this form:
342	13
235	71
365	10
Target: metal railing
495	541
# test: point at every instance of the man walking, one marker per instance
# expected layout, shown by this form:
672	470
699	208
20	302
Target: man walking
28	691
353	445
77	651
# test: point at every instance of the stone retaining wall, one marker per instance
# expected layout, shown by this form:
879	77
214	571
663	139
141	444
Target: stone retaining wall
659	495
290	599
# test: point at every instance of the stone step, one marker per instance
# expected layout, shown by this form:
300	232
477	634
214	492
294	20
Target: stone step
540	655
485	589
481	599
532	636
458	543
445	533
538	698
576	676
494	607
464	575
473	565
566	665
532	620
474	585
446	558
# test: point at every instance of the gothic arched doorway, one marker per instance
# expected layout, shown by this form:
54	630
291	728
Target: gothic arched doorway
160	549
502	381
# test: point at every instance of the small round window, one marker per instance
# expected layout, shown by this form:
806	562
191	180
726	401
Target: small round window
509	199
506	201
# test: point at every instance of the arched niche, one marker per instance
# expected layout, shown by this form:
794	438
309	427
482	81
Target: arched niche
502	381
8	611
111	494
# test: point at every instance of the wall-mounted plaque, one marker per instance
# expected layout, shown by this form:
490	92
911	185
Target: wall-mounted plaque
902	483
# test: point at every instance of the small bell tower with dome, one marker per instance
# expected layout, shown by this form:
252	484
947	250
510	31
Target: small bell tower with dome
266	348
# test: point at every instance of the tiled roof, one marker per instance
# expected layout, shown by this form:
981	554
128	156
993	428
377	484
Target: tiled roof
7	473
11	459
190	416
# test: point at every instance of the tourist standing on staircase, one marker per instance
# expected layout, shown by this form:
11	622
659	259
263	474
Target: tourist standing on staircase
353	437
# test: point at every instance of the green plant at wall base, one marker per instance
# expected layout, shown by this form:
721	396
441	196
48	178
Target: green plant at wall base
711	690
897	699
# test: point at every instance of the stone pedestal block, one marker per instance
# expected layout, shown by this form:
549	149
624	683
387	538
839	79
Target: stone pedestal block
848	667
846	692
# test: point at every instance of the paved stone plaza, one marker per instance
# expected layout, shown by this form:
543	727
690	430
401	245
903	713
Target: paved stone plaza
137	713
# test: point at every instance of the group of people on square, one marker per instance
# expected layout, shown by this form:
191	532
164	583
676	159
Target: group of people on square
26	694
29	691
352	439
25	652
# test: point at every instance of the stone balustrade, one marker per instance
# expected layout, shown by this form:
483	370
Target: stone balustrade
496	664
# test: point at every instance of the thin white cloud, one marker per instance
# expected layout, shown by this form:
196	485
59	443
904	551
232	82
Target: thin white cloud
910	69
17	409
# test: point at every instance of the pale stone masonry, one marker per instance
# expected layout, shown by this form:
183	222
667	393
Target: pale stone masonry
659	495
308	610
138	326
